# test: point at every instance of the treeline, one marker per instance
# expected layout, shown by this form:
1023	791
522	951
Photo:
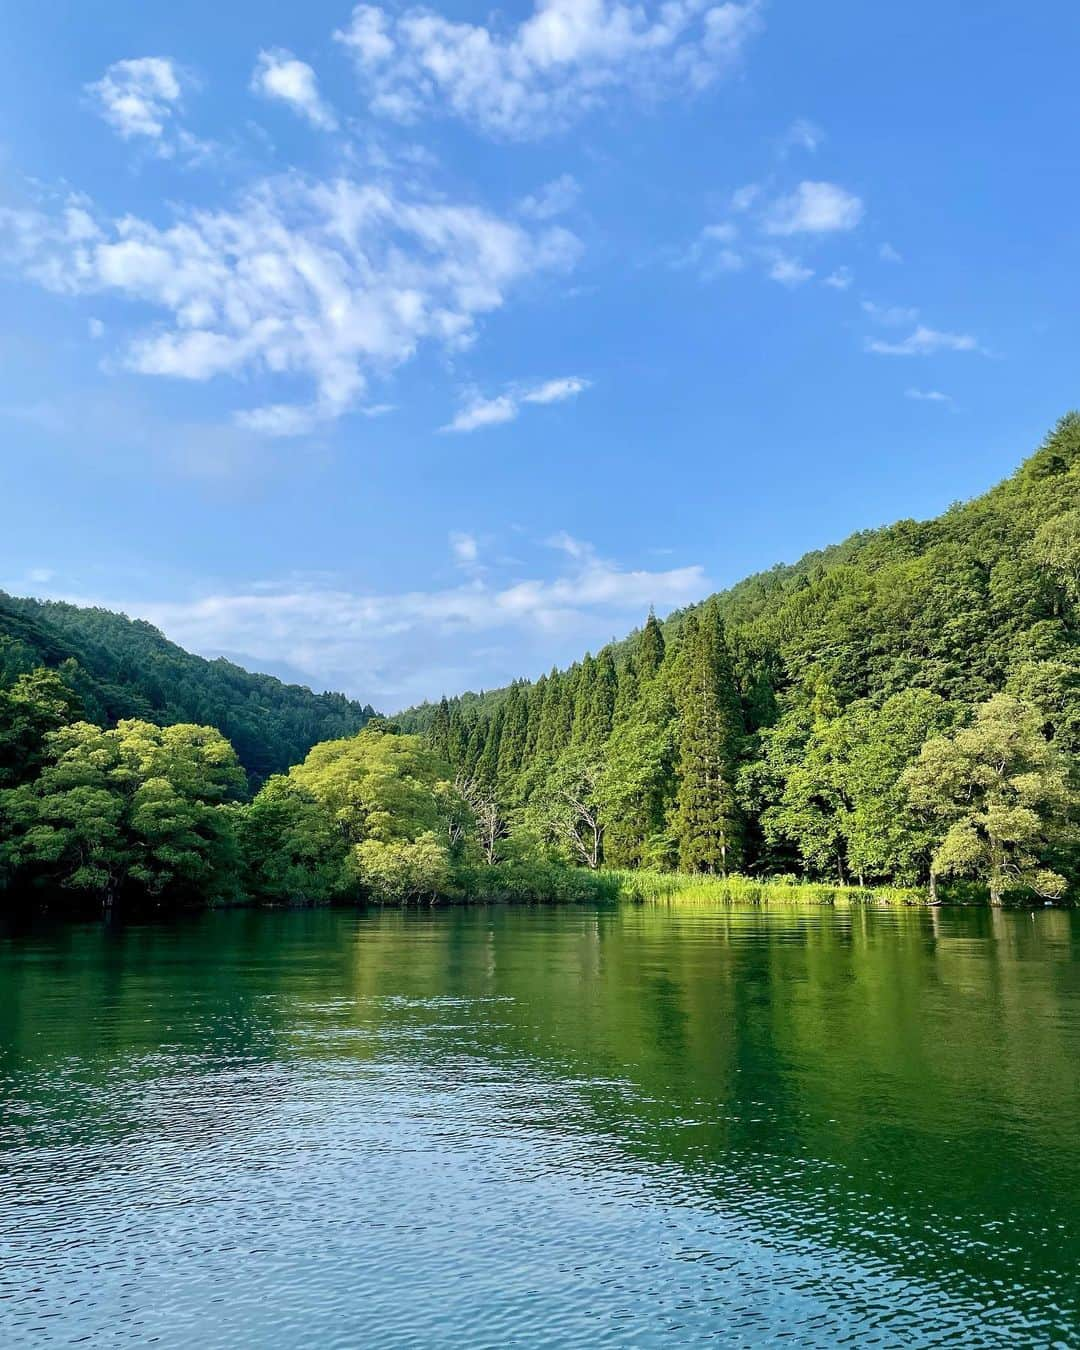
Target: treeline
141	815
900	709
121	668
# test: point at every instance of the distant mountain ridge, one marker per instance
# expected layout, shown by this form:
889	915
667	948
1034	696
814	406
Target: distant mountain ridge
123	667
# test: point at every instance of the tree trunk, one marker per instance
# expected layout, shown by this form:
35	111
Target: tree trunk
933	888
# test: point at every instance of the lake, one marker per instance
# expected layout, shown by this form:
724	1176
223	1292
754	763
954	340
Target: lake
635	1126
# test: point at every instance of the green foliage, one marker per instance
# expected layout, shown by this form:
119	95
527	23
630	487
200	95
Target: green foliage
399	870
708	822
137	809
1001	791
118	668
293	851
771	727
902	707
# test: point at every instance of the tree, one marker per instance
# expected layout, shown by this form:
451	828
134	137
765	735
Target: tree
650	649
490	824
291	847
439	734
1057	549
637	782
37	702
135	809
566	810
398	871
708	821
1000	792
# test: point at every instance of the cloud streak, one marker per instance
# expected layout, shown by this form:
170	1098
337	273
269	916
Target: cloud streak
566	59
478	412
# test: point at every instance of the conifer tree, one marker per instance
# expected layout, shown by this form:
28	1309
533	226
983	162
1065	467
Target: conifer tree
708	823
515	727
600	715
457	740
487	766
650	652
439	732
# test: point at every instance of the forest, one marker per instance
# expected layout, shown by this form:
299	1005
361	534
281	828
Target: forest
124	668
901	710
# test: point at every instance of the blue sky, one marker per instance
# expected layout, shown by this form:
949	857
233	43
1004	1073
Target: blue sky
406	350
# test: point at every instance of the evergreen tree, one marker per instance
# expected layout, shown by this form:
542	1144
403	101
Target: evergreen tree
439	733
650	651
708	823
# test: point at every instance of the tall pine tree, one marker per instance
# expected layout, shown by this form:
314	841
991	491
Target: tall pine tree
707	821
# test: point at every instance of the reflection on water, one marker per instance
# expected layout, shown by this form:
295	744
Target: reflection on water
635	1126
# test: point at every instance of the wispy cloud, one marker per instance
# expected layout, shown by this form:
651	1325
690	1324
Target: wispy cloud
890	316
789	271
397	647
141	99
483	412
556	391
924	342
477	411
464	547
814	208
553	199
927	396
840	279
802	134
280	75
333	280
550	69
889	254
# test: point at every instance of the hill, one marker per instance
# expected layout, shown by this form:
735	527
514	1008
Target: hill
123	668
867	648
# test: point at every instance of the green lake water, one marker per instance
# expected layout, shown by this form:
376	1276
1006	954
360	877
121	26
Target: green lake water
631	1126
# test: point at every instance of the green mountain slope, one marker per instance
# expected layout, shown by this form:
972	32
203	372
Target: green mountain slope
843	664
127	668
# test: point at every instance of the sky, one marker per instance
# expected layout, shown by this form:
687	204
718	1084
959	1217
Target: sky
406	350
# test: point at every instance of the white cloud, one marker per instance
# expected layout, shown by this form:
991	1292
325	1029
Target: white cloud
802	135
814	208
888	254
464	547
927	396
555	391
789	271
743	198
478	411
711	253
840	279
279	74
566	543
140	100
553	198
40	576
95	328
330	281
138	97
890	316
396	648
924	342
567	57
483	412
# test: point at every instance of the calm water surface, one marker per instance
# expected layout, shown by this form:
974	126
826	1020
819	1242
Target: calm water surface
631	1127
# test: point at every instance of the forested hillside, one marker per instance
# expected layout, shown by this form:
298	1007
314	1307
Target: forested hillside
124	668
903	706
